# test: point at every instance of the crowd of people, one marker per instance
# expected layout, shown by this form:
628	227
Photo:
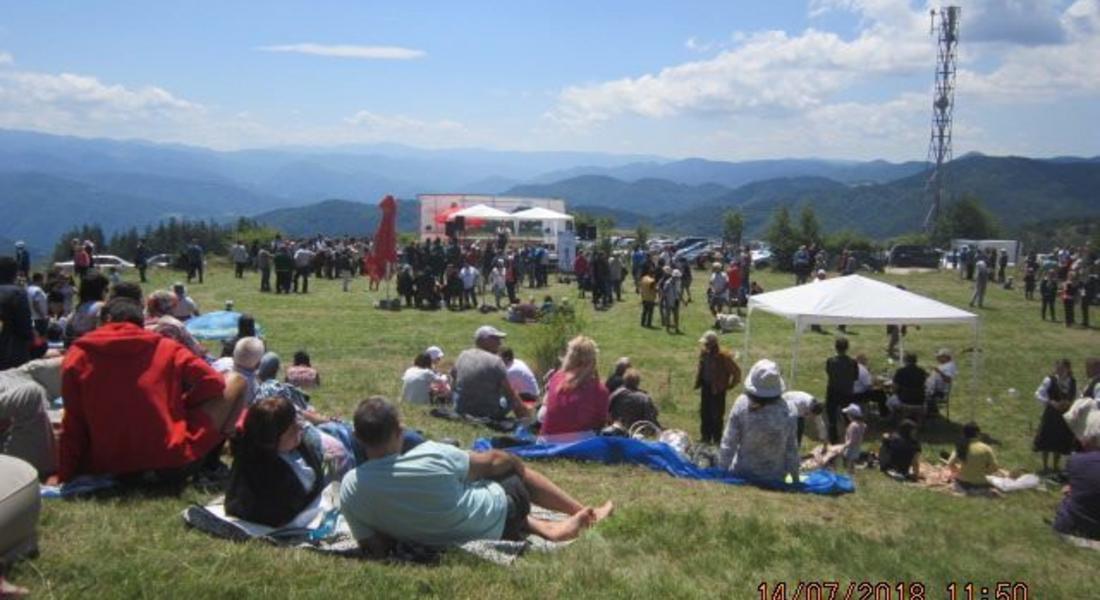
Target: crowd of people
145	402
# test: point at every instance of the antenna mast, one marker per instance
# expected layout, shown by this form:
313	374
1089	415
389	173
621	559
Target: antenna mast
945	23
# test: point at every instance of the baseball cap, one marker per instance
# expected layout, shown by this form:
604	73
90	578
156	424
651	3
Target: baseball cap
486	331
853	410
435	352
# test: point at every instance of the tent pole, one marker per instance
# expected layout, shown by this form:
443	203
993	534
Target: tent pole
975	362
794	352
748	333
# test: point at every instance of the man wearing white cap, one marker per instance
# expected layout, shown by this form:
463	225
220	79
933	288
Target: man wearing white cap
760	442
481	379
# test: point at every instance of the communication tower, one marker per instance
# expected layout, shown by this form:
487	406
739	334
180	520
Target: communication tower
945	24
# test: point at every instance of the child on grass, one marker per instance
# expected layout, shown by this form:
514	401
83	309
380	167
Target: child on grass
302	373
853	436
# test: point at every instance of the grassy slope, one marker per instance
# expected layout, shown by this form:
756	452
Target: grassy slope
669	537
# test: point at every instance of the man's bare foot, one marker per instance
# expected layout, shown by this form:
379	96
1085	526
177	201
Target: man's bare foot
561	531
10	590
603	511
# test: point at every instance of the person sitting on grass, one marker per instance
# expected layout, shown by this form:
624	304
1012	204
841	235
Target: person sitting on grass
900	452
25	395
576	400
302	373
276	474
760	442
520	376
972	460
438	495
241	383
85	316
630	404
420	380
136	401
481	387
853	435
1079	513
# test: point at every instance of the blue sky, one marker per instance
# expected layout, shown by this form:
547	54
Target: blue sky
726	80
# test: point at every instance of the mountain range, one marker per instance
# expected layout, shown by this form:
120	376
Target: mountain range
50	183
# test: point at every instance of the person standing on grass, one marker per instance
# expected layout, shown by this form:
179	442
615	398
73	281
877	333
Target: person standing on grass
303	268
1056	394
981	282
263	263
241	259
715	375
1030	272
141	259
284	269
438	495
1070	291
843	372
1048	291
647	289
469	276
718	289
671	291
615	274
195	258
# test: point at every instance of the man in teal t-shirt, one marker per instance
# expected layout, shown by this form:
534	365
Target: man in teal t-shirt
438	495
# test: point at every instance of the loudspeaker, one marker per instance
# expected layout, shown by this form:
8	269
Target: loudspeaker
587	233
460	223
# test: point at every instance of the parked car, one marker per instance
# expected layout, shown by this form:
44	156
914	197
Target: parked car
914	255
691	249
761	258
160	260
100	261
869	261
686	242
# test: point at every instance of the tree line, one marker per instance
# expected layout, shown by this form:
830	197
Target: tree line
170	237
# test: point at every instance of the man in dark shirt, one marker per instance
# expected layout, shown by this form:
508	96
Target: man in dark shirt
842	371
16	332
909	382
629	404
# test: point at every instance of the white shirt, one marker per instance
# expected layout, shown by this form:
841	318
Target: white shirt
40	308
800	402
719	282
522	379
937	383
468	275
416	385
496	278
303	258
863	382
185	308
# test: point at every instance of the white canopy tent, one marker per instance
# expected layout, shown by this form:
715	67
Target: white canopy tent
541	214
481	211
856	300
550	222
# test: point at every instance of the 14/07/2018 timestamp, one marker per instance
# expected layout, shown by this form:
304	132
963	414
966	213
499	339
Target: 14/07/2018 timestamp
867	590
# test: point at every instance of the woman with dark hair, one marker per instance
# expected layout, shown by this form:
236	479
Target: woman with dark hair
1056	393
972	459
900	452
246	327
85	317
760	442
276	474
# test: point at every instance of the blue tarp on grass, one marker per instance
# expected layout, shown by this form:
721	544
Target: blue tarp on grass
662	457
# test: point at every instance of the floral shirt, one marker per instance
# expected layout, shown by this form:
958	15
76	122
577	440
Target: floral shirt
760	443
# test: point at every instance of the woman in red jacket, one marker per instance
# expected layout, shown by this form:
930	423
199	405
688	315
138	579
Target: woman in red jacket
576	400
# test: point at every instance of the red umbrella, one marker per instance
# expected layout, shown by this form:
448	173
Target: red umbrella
384	252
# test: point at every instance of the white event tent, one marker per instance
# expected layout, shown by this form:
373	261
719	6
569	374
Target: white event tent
856	300
551	222
481	211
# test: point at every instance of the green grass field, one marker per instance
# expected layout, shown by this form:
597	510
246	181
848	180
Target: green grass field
668	538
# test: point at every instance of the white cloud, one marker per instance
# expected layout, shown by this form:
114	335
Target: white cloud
696	45
6	58
68	103
348	51
768	71
390	125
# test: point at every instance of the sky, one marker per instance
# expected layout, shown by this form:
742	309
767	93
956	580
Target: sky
726	80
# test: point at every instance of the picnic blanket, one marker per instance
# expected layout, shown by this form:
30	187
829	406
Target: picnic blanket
662	457
321	528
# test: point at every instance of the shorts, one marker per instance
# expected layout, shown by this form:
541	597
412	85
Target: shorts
519	506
